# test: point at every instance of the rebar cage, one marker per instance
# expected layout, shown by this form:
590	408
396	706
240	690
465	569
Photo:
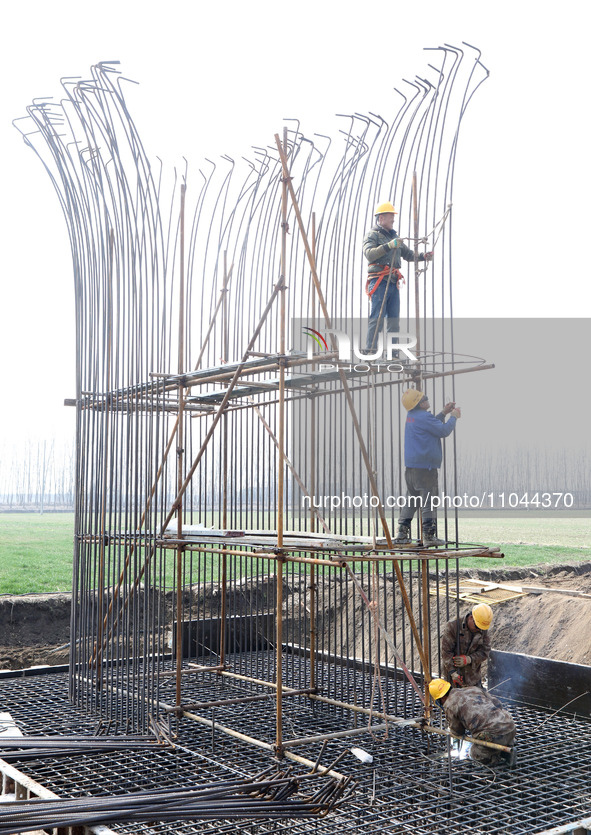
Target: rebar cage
207	426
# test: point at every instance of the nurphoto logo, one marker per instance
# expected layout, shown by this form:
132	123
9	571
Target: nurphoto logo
391	345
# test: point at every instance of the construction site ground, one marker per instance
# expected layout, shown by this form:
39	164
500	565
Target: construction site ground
34	629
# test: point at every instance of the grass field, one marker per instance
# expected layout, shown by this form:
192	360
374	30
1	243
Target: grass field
36	551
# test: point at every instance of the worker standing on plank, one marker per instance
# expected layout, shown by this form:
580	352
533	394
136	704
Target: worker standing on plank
465	646
474	710
422	458
384	249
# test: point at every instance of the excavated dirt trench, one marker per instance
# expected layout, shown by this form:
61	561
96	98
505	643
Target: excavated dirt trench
35	629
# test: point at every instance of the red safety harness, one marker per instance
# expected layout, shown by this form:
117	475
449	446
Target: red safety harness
396	274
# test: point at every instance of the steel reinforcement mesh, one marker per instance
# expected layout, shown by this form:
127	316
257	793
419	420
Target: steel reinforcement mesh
410	787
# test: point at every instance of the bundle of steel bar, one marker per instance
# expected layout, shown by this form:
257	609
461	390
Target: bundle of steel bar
267	798
21	748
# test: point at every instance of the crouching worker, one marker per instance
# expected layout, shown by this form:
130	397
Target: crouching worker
474	710
465	646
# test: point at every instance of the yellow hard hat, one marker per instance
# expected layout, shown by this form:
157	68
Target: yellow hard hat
411	398
483	615
438	687
385	208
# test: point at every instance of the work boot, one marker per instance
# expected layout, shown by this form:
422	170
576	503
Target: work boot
403	535
430	537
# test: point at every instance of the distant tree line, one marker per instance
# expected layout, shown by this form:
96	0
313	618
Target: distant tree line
526	471
37	476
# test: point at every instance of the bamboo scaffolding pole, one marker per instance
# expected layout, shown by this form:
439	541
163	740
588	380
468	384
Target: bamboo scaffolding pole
198	409
310	740
201	668
196	668
195	464
351	406
221	408
426	631
395	720
131	550
418	378
259	697
406	723
314	513
198	378
221	303
174	433
202	720
386	635
342	559
390	720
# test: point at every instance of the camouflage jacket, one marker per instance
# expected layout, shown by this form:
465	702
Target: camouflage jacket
379	255
474	710
474	644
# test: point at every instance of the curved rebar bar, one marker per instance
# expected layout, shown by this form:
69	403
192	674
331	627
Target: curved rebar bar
150	347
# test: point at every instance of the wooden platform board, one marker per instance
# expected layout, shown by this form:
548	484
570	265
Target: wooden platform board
478	591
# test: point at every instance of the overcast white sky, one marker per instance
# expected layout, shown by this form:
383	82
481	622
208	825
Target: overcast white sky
217	78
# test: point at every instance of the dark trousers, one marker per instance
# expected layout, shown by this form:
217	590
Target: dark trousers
490	756
422	486
390	311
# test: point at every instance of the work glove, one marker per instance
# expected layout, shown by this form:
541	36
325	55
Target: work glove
461	660
428	256
457	680
456	413
394	243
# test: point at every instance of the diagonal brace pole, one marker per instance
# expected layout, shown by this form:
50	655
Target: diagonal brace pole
345	384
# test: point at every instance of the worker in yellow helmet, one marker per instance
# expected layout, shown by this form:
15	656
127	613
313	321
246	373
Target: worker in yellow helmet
423	455
465	646
384	249
482	715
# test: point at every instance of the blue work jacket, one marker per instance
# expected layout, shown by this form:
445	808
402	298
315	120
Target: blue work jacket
422	438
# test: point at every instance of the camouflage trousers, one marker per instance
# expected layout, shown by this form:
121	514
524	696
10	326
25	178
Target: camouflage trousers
490	756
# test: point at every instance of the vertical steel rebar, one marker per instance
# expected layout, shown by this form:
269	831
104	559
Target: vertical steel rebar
225	474
313	526
281	463
180	450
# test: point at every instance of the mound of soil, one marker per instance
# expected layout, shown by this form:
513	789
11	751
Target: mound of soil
34	629
553	624
556	623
